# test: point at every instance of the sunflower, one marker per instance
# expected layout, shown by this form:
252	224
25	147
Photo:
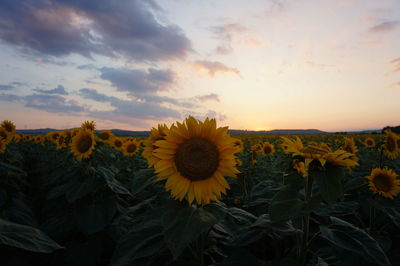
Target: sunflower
89	125
299	166
5	135
369	142
318	151
390	145
53	136
61	141
194	157
130	147
17	138
105	136
116	143
38	139
350	146
83	143
267	148
8	126
238	144
3	145
156	134
384	182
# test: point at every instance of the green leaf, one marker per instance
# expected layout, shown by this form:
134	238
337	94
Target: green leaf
26	237
77	190
344	236
329	182
138	244
142	179
337	209
285	204
94	217
183	223
113	183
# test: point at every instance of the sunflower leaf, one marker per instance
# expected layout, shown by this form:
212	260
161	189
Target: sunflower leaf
348	238
329	182
26	237
183	224
285	205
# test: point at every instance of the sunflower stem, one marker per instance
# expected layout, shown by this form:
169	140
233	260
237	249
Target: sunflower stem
308	182
371	218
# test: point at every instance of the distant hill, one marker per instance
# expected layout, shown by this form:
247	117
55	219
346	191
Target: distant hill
120	132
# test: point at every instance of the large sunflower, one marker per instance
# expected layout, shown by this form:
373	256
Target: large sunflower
319	152
390	148
130	147
156	134
384	182
194	157
83	143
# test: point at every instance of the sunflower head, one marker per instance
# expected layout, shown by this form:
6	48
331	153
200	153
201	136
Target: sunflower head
105	136
89	125
130	147
83	143
5	135
8	126
384	182
17	138
238	144
117	143
369	142
267	148
299	166
194	157
53	136
60	143
156	134
350	145
390	148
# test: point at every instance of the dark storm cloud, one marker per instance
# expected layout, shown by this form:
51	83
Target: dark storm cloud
385	26
49	103
128	108
59	90
86	27
139	82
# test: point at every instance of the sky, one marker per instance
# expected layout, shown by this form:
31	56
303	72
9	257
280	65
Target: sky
332	65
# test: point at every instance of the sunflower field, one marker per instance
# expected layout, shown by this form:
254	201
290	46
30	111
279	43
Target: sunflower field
192	194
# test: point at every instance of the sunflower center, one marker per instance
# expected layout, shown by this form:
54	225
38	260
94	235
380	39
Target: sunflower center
118	143
131	148
8	127
3	135
382	183
267	149
84	144
369	142
197	159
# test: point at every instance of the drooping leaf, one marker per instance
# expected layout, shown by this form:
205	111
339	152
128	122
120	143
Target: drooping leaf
285	204
345	236
329	182
183	223
26	237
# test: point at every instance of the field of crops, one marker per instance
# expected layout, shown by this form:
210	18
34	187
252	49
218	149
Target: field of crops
191	194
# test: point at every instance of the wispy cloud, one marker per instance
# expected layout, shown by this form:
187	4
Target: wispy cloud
385	26
58	90
207	97
225	33
126	29
213	67
45	102
11	86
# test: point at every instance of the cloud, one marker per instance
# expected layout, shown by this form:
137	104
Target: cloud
128	108
139	82
225	33
10	86
207	97
396	64
126	29
49	103
385	26
87	66
214	67
59	90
